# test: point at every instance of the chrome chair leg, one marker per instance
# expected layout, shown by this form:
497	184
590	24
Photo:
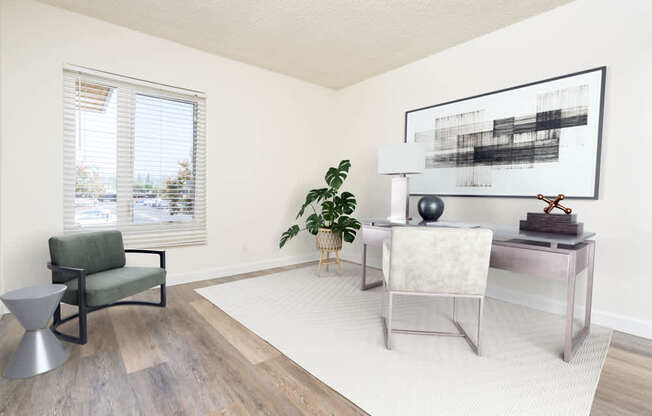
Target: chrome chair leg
388	320
480	313
389	329
454	319
383	303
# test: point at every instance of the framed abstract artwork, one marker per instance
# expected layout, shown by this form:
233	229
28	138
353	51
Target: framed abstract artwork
543	137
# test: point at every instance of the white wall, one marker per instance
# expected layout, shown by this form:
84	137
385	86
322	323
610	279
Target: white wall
581	35
2	306
264	134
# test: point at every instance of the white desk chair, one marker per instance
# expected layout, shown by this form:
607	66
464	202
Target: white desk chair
442	262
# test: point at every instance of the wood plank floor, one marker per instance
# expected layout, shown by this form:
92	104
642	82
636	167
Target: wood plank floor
192	358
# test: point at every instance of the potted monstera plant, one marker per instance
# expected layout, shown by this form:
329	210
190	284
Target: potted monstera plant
329	211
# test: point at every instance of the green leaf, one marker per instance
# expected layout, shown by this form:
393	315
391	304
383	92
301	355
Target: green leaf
315	195
313	223
329	211
345	203
346	228
291	232
344	166
325	193
335	177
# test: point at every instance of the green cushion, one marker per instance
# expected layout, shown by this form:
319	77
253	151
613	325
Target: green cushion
112	285
95	252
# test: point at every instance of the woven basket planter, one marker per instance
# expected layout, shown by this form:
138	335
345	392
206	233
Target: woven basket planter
327	240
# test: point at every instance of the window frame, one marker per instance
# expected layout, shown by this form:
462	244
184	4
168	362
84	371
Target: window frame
143	235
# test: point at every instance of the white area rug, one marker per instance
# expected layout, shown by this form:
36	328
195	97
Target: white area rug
334	331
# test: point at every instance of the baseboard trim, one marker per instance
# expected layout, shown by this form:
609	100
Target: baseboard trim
622	323
615	321
224	271
611	320
233	269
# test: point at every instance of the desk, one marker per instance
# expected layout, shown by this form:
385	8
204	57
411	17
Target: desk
538	255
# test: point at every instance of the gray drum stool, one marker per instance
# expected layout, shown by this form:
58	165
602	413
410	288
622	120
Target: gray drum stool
39	351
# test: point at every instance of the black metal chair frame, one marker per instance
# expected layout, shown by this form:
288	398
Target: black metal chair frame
81	299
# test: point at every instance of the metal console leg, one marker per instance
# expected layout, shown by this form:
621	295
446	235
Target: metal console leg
589	284
364	285
570	309
573	342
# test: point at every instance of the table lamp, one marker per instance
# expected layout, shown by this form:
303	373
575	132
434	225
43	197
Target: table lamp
400	160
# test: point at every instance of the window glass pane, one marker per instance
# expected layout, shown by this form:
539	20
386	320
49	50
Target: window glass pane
96	147
164	173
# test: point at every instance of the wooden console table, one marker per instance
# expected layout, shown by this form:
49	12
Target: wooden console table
550	256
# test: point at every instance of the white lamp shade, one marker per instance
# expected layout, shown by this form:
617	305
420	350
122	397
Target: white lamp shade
401	158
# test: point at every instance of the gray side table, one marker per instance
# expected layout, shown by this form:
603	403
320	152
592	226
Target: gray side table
39	351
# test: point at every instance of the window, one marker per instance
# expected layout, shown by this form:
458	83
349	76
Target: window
134	159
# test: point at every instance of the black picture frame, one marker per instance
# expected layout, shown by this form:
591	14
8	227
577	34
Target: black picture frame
596	191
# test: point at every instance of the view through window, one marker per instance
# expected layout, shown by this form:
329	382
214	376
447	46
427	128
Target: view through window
136	154
96	155
163	186
163	181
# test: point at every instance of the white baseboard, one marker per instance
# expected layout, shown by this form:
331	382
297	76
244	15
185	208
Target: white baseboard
615	321
224	271
229	270
611	320
217	272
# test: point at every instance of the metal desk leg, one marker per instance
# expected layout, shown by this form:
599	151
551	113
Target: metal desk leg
364	267
589	284
571	343
364	285
570	309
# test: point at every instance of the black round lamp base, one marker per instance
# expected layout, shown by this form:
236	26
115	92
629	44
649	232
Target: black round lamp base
430	208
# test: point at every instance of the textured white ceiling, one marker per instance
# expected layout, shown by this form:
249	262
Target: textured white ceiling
334	43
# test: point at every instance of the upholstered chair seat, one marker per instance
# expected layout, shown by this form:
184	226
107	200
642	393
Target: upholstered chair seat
112	285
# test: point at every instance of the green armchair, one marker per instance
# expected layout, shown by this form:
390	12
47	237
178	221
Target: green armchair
92	266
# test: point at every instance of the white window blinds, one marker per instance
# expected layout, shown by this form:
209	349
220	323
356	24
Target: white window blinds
134	159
